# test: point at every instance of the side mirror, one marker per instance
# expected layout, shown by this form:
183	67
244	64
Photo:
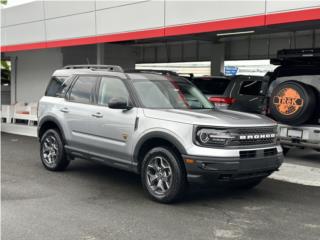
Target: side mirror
119	103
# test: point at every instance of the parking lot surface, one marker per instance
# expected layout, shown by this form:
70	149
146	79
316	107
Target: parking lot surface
91	201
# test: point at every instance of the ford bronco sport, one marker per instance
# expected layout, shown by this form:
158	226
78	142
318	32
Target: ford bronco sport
156	125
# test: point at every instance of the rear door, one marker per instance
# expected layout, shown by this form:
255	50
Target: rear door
78	105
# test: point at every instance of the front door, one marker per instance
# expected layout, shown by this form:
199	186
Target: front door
111	130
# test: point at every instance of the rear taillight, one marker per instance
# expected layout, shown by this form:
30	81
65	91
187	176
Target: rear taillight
222	100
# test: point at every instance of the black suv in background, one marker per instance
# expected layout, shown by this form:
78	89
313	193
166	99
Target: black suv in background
240	93
215	89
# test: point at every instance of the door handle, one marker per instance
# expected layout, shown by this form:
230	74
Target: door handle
64	110
97	115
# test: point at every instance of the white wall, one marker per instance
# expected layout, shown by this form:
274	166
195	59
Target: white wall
183	12
273	6
131	17
34	69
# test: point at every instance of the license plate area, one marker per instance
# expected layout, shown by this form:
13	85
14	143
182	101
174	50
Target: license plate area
296	134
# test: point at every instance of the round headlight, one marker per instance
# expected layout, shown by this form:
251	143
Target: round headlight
203	137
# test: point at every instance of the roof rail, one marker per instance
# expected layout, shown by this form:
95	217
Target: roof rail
154	71
112	68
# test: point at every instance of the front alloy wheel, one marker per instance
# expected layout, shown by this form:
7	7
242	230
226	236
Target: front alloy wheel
163	175
159	175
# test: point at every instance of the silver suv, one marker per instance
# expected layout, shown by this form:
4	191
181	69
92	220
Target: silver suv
157	125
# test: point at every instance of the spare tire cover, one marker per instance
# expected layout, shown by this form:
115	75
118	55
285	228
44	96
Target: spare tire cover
292	103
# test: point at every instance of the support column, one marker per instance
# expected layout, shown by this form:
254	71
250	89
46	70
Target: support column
13	79
100	53
217	59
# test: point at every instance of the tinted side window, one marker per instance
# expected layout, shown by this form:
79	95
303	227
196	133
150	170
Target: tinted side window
111	88
58	86
81	91
250	88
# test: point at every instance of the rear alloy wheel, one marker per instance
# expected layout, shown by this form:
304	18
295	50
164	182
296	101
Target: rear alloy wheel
162	175
52	151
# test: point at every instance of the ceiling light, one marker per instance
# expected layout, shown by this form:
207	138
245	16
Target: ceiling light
234	33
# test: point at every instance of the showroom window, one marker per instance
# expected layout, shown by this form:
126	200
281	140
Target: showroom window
81	91
250	88
111	88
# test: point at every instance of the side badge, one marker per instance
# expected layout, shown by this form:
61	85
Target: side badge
125	136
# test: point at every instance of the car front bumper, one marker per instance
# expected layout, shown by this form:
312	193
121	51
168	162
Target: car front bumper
231	169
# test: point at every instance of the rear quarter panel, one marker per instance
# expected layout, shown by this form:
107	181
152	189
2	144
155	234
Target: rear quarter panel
49	108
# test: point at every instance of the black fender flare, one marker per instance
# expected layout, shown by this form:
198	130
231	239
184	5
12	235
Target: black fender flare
55	121
157	134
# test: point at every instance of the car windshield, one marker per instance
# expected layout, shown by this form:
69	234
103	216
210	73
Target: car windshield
173	93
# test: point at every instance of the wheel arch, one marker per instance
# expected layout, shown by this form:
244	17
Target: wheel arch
153	139
49	122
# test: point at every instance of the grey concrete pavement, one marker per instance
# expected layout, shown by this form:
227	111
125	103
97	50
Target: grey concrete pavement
92	202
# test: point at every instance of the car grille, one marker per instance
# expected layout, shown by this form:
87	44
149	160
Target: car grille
248	154
252	142
252	131
256	130
258	153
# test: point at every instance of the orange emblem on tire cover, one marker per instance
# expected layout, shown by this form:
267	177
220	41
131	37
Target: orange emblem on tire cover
288	101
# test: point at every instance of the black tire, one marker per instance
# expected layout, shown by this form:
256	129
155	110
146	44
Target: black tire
178	180
285	150
56	154
292	103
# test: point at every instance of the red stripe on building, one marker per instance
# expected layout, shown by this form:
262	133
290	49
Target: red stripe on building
294	16
22	47
72	42
144	34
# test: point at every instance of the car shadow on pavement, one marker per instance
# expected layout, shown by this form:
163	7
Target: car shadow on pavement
121	182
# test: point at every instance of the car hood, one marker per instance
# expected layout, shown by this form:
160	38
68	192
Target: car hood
210	117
